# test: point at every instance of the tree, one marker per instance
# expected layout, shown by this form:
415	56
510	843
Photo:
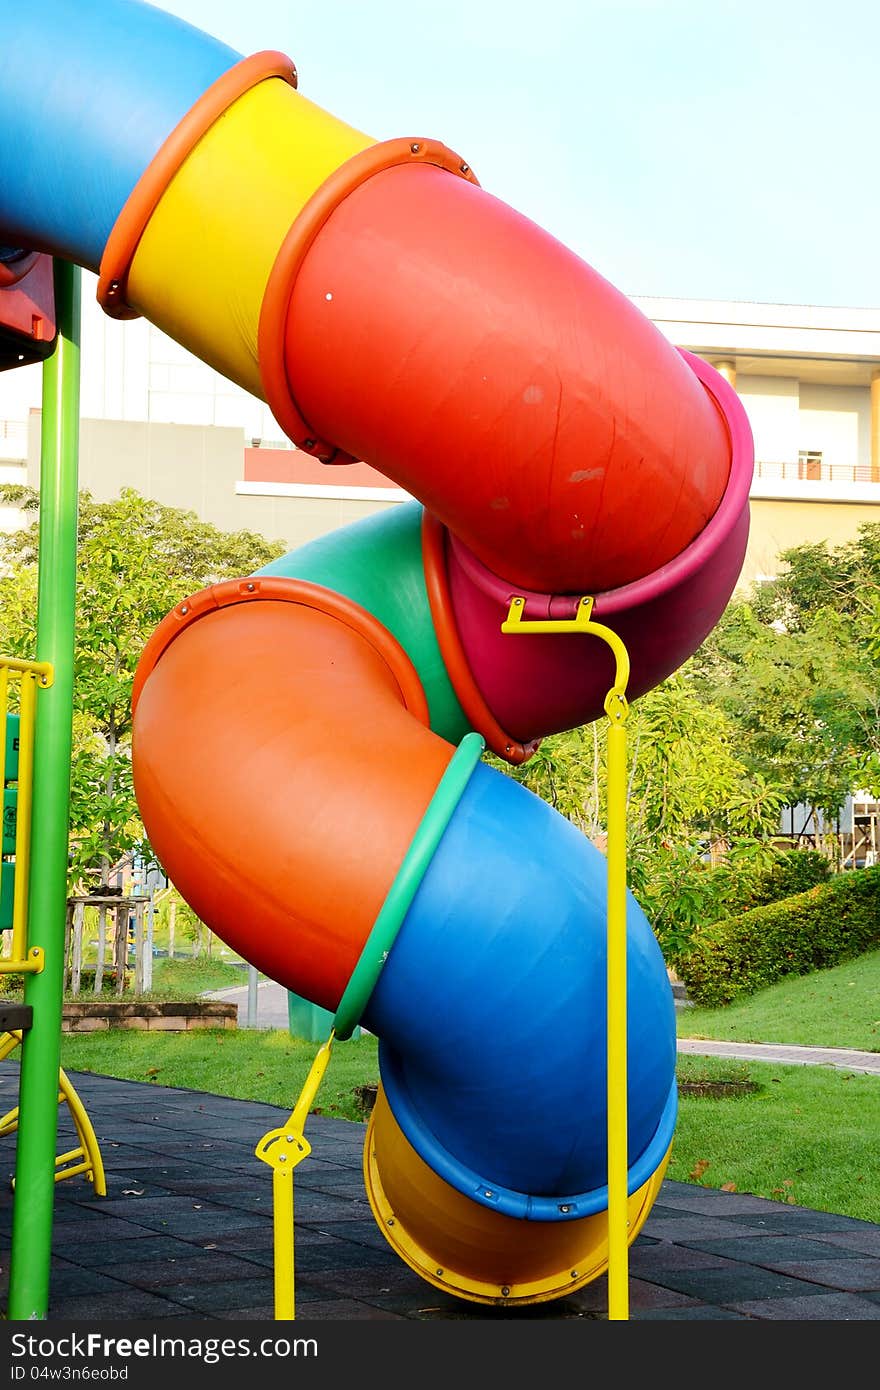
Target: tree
700	824
795	664
136	560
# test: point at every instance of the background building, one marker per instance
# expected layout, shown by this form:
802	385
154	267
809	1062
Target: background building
159	420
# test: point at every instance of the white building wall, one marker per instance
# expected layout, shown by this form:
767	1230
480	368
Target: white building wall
131	371
836	421
772	404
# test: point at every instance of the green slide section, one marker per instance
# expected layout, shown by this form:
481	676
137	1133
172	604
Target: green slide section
377	562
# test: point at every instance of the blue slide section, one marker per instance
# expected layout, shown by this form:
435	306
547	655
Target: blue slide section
491	1009
70	163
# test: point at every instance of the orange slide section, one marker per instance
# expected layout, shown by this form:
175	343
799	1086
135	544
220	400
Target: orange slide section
251	723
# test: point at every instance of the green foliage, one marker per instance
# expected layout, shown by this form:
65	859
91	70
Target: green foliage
690	795
679	891
136	560
568	771
187	925
796	666
836	1007
791	871
827	924
188	979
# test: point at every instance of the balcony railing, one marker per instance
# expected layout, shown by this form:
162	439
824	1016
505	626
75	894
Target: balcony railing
815	471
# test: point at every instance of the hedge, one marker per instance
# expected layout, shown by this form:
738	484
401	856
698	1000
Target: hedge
792	871
829	923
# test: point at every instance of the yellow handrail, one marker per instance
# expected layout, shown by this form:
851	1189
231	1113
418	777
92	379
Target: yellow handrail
616	709
283	1149
34	675
86	1158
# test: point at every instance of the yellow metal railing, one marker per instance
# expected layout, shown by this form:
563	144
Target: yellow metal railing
86	1157
283	1149
33	676
616	709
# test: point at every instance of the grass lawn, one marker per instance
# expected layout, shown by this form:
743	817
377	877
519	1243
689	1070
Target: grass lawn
804	1135
839	1007
180	978
247	1063
187	979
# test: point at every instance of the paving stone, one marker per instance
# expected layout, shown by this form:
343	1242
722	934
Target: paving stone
198	1240
769	1251
854	1275
221	1295
735	1285
123	1306
101	1253
695	1312
189	1266
821	1307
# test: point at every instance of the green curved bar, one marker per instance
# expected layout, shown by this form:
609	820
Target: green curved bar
377	947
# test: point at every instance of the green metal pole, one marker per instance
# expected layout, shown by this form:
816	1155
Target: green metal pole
56	611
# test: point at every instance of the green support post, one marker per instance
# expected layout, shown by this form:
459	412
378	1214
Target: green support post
56	612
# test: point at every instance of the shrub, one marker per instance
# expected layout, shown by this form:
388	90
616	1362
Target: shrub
792	871
827	924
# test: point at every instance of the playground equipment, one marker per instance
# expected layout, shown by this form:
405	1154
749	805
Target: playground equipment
85	1159
27	324
310	737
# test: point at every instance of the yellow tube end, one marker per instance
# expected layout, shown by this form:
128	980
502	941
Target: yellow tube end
470	1251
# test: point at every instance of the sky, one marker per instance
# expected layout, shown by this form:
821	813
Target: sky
683	148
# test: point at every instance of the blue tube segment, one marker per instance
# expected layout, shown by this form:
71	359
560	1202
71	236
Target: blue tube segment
89	91
504	1094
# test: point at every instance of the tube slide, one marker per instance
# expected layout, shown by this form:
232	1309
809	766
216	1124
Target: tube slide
308	740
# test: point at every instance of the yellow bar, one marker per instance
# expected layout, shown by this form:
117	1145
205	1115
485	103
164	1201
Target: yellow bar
283	1149
282	1204
297	1121
32	673
4	710
88	1139
203	262
71	1154
617	1080
618	1166
43	669
23	824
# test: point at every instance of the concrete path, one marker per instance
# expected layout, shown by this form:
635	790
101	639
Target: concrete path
271	1012
789	1056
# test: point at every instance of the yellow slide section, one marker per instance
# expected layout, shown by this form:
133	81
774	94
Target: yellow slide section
204	258
468	1249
